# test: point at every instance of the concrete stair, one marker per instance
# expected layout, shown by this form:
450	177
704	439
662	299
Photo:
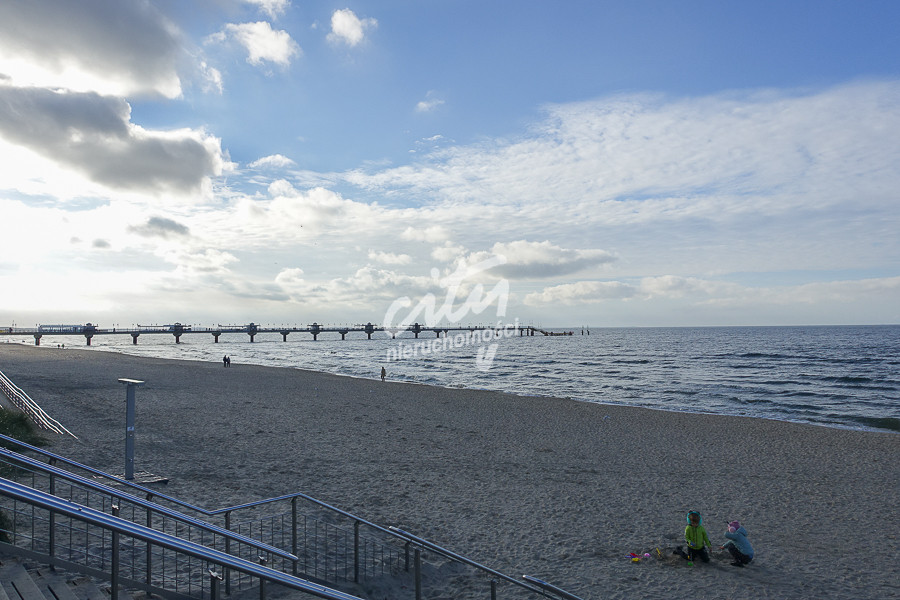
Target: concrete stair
25	580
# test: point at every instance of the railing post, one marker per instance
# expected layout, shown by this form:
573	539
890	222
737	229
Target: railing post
418	574
262	582
493	589
214	579
356	552
52	514
149	549
225	571
114	576
294	535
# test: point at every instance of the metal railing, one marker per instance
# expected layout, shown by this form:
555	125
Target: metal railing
23	402
327	545
110	537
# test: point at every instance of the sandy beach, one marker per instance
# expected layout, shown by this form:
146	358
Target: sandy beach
558	489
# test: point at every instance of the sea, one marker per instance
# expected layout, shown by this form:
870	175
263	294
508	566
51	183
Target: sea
834	376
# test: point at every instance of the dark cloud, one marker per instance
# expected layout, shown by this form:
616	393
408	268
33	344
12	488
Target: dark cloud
160	227
124	40
92	134
98	243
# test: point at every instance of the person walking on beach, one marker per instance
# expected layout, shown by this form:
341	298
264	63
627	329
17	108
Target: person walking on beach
225	361
696	538
738	544
383	373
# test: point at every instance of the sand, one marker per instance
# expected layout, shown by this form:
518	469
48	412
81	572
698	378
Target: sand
558	489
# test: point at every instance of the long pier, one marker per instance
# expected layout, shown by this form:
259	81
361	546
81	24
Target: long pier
177	330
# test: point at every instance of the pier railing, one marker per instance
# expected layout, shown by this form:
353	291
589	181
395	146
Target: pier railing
294	534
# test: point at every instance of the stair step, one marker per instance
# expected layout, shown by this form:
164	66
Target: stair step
23	584
53	583
85	588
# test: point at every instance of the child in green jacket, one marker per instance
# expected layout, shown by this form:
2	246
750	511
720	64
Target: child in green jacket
696	538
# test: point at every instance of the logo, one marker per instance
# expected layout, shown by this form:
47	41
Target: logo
462	297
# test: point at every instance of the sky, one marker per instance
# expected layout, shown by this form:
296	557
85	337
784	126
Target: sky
570	163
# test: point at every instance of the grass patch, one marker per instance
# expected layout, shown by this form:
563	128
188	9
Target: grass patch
17	425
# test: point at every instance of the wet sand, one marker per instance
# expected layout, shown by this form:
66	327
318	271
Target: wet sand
554	488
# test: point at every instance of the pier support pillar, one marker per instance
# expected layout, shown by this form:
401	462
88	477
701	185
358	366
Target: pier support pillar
216	337
134	337
315	336
343	334
177	338
88	338
369	334
37	339
252	335
284	335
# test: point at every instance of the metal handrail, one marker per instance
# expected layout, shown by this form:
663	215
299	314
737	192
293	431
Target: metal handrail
559	592
23	402
391	531
122	526
99	487
101	474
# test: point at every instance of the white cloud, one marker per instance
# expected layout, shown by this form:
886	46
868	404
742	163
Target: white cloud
431	233
349	29
275	161
261	42
389	258
580	292
429	104
273	8
529	260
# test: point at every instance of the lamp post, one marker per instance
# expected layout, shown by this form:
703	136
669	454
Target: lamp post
131	384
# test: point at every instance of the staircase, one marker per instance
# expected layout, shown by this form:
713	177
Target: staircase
24	580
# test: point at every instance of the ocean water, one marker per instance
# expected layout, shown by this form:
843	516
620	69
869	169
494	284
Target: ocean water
832	376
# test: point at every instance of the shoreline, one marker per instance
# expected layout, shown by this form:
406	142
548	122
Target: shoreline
893	426
560	489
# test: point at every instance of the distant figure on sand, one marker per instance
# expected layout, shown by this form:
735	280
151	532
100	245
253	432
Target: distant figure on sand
383	373
696	538
225	361
738	544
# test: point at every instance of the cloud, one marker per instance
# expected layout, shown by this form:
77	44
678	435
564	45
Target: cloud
160	227
347	28
111	47
432	233
369	289
580	292
389	258
275	161
273	8
429	104
261	42
92	134
530	260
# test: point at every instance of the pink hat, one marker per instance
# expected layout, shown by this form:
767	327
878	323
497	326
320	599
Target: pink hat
734	526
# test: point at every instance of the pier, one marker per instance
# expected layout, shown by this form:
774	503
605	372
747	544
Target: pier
177	330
